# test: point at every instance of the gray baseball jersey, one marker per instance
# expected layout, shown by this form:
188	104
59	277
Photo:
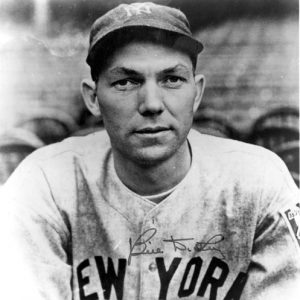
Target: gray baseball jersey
228	231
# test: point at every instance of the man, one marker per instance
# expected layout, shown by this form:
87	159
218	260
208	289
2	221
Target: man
150	209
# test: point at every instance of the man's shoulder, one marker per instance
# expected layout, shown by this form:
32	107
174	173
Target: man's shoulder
221	153
219	147
246	164
92	145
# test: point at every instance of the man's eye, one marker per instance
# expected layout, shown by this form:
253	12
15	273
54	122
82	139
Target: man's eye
173	81
125	84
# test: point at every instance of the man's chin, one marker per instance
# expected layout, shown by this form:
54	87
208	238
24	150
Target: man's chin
151	156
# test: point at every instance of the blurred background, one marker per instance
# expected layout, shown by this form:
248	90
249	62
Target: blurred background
250	62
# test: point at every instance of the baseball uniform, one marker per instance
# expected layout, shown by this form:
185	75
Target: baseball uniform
228	230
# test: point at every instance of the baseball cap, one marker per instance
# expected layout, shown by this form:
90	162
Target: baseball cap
141	15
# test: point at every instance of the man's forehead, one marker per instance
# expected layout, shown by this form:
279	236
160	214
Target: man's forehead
137	55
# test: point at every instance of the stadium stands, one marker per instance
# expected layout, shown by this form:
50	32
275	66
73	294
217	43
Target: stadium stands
15	145
50	126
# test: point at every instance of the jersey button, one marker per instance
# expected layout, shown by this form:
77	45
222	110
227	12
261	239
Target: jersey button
152	267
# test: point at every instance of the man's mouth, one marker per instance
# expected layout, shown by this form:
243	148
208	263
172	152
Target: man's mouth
152	130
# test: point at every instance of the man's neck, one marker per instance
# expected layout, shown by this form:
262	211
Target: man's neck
149	179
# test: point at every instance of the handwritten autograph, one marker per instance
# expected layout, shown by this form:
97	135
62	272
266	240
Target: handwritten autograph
210	245
178	244
148	235
141	244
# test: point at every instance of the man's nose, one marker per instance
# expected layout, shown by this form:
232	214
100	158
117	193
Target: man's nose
150	99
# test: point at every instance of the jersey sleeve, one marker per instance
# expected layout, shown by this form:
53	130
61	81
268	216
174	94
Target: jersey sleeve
34	256
274	271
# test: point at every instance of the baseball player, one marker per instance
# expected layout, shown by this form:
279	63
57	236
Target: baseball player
149	209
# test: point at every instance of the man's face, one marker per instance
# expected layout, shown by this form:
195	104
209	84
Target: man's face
147	100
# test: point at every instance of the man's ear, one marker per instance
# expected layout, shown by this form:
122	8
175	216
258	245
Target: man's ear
88	91
200	85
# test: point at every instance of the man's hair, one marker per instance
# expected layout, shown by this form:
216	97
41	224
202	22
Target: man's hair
124	36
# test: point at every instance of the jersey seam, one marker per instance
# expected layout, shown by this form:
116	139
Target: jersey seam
66	231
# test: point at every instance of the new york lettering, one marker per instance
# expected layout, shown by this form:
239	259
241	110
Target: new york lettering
107	278
112	276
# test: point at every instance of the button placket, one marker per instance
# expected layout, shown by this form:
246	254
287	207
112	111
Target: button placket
149	279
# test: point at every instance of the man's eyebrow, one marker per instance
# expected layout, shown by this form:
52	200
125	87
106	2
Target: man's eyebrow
176	68
131	72
123	71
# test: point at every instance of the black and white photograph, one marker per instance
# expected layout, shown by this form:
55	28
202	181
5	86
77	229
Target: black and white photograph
149	150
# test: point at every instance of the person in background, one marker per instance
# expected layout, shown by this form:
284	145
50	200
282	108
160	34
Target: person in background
148	208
